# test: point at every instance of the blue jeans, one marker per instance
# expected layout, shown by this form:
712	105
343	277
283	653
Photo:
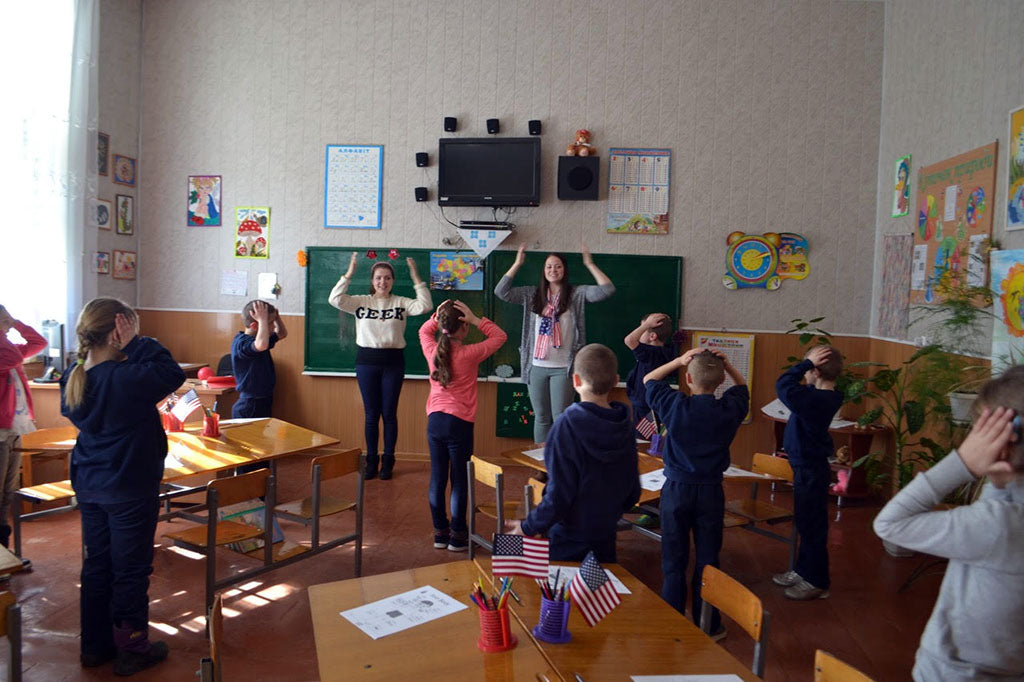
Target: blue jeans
380	386
117	560
451	444
686	507
550	393
810	514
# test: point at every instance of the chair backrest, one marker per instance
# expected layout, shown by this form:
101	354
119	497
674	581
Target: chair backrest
486	472
774	466
337	464
741	605
533	492
828	668
216	627
224	368
7	599
236	489
10	627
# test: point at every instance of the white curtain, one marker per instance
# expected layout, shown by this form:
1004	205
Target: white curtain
47	127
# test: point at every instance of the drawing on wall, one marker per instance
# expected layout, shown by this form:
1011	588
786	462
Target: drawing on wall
764	261
1008	290
894	304
124	170
125	263
954	217
352	185
252	231
102	153
204	200
1015	172
638	190
101	213
125	214
455	270
101	263
901	192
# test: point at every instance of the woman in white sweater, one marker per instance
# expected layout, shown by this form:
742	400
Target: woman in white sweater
380	360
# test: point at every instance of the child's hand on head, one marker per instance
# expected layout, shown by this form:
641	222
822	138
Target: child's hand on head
467	315
654	319
690	355
984	451
261	312
819	355
125	329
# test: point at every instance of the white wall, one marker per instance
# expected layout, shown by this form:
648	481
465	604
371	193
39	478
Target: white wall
771	110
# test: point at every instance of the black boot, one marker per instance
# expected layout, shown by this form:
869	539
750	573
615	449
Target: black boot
5	531
387	466
135	652
371	467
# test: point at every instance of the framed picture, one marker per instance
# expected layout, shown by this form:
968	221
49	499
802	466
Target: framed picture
252	231
901	188
101	263
125	214
204	200
102	153
102	213
1015	172
125	263
124	170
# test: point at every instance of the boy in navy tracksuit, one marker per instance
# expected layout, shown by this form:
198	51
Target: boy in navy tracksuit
652	347
251	362
116	468
700	430
590	455
809	445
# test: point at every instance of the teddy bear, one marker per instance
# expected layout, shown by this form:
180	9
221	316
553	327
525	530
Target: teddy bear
843	455
582	146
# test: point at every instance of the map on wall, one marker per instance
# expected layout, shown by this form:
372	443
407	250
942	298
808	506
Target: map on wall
352	185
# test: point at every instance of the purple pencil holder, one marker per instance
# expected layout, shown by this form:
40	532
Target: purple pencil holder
553	626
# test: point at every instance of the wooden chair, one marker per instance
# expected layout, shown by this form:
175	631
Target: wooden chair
210	668
205	539
309	510
10	626
533	493
755	511
493	476
828	668
720	591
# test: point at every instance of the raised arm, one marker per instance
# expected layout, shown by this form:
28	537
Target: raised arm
422	303
599	277
279	327
672	366
632	339
12	354
339	297
517	263
496	336
261	313
149	373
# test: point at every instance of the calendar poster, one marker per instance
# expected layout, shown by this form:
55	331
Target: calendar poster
352	186
739	348
638	188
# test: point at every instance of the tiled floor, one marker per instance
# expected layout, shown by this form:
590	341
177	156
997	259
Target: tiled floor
269	635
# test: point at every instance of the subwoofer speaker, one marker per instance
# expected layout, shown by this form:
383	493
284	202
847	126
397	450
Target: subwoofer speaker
578	177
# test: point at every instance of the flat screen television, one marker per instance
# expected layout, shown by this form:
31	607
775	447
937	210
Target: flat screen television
488	171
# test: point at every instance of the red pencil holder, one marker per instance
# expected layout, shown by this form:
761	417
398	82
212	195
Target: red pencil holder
170	422
495	633
211	425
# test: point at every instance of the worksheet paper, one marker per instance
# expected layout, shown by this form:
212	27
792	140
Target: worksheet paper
653	480
567	573
537	454
234	282
776	409
402	611
686	678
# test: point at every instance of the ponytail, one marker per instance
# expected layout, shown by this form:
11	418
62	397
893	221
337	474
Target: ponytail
74	390
95	323
448	319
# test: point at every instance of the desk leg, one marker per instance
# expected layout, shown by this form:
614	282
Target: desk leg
16	522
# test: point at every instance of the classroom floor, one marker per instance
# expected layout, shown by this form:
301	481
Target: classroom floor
269	635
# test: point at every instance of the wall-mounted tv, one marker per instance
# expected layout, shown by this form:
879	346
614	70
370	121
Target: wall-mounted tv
488	171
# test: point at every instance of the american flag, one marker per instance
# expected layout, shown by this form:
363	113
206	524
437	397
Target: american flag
519	555
186	405
646	426
592	591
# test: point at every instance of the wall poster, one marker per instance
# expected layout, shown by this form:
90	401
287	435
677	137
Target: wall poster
638	189
352	185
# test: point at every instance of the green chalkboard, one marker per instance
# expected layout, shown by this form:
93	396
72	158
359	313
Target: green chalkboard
331	334
643	284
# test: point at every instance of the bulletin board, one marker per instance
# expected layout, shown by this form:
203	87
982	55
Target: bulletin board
739	348
955	203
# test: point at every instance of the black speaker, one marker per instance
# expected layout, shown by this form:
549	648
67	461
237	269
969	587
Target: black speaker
534	127
451	124
493	126
422	159
578	177
421	193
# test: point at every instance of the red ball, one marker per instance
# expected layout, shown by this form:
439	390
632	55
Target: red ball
204	373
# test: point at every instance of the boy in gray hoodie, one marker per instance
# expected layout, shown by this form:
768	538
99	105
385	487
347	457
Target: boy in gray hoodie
975	630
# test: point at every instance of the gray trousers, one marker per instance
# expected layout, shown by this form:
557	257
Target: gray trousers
550	393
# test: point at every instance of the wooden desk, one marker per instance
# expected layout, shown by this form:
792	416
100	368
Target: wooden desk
191	369
642	636
9	563
223	397
443	649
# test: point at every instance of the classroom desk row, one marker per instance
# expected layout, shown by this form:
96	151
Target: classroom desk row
641	636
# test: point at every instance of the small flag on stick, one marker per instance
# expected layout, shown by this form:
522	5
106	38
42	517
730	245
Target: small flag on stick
519	555
592	591
186	405
646	426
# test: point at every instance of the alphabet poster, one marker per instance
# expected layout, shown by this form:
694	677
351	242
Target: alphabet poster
955	201
352	184
638	189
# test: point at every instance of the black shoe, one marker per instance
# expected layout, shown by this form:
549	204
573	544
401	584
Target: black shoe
371	467
91	660
130	662
387	467
370	474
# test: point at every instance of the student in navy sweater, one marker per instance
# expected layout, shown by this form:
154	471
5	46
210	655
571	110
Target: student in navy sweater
116	467
590	455
652	347
700	430
251	362
808	444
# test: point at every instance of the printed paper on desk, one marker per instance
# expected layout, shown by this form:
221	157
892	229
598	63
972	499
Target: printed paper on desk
653	480
779	411
402	611
686	678
537	454
736	472
567	573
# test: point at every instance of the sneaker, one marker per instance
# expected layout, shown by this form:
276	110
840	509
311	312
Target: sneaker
441	539
787	579
459	542
648	521
26	564
804	591
719	635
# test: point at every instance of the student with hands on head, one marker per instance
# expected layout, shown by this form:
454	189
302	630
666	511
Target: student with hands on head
975	629
251	362
652	346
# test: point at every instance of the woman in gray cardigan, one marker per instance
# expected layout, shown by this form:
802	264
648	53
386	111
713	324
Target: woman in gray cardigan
554	329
